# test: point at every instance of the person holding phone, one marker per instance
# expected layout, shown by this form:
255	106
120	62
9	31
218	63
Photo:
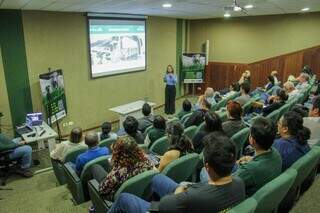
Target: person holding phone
170	92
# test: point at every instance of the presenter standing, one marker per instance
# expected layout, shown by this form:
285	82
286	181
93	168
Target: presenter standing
170	93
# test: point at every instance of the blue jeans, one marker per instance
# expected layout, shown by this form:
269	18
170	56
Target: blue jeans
24	153
161	185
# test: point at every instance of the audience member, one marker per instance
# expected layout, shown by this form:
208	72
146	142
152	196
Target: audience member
130	126
293	142
186	109
20	151
147	118
266	165
275	75
234	123
207	97
179	146
245	78
244	97
75	141
303	81
94	151
197	117
106	131
220	193
127	160
270	84
276	102
158	130
212	123
313	122
290	90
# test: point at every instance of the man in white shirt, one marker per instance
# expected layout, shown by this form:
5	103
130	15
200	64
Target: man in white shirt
303	81
313	122
290	90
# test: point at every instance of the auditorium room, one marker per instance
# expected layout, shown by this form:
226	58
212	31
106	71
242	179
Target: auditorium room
168	106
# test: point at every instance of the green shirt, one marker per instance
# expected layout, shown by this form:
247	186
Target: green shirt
6	143
154	134
260	170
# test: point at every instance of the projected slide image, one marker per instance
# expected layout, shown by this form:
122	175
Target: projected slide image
117	49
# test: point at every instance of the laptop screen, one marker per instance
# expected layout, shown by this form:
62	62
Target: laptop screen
34	119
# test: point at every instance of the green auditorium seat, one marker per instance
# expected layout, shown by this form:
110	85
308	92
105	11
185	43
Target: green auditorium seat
185	118
239	139
285	108
160	146
306	167
274	116
270	195
172	120
201	126
57	166
148	129
190	131
107	142
222	115
183	168
247	206
138	185
220	104
78	184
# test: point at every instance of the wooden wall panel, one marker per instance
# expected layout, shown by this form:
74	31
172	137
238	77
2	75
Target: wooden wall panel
220	75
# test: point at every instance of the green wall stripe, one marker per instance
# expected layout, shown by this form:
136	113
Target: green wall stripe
15	64
179	53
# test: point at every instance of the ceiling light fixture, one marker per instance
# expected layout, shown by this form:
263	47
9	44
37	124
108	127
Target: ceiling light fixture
305	9
249	6
227	15
237	8
167	5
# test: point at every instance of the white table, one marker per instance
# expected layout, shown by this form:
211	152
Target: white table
132	109
49	135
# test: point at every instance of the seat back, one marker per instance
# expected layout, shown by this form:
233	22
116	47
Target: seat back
274	116
239	139
306	164
182	168
72	155
190	131
107	142
86	171
172	120
284	109
148	129
138	185
270	195
220	104
185	118
160	146
247	206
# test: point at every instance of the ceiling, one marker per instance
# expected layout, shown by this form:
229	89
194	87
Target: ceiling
188	9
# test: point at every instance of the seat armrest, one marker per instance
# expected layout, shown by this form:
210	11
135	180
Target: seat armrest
95	186
69	169
94	183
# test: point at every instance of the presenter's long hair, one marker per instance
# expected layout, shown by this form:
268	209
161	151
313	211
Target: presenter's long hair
172	70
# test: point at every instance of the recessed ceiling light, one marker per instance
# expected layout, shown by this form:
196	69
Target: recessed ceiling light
227	15
249	6
305	9
236	8
167	5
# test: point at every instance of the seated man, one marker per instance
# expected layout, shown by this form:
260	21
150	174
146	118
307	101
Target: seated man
93	152
186	109
21	151
276	102
208	96
106	131
266	165
197	117
220	193
313	122
157	131
290	90
130	126
234	123
147	119
303	81
244	97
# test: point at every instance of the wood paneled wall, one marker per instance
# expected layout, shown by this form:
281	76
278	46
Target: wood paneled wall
220	75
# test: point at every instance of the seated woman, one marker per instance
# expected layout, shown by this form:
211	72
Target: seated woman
234	123
128	160
75	141
179	145
157	131
208	96
275	102
186	108
270	83
293	143
212	123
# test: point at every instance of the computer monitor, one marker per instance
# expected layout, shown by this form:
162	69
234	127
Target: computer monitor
34	119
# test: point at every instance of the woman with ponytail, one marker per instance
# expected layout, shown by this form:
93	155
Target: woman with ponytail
293	143
179	146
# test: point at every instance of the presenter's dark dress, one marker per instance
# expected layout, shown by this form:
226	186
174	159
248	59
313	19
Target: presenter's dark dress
170	93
